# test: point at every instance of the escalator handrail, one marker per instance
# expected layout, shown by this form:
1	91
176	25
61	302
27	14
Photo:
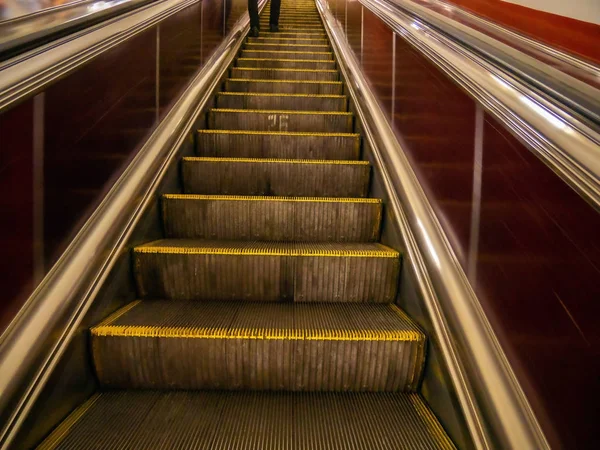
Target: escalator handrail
23	33
558	75
495	408
28	73
561	139
39	335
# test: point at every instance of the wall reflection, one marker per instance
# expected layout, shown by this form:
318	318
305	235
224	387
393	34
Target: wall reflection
529	244
62	150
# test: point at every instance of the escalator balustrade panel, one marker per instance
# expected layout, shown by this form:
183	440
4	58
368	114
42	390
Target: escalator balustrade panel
266	316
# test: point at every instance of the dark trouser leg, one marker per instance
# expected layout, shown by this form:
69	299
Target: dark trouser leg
253	11
275	6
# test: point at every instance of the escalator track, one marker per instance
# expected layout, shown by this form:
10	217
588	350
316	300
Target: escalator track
266	316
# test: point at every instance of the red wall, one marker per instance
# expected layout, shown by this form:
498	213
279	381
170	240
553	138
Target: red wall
571	35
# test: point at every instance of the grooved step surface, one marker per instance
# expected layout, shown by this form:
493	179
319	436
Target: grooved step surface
286	177
284	86
308	219
265	271
259	346
287	54
242	100
251	421
288	40
260	73
283	63
273	120
265	144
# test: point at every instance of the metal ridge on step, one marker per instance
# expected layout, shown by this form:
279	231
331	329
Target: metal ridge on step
336	162
281	133
251	80
273	69
244	248
282	94
284	111
265	198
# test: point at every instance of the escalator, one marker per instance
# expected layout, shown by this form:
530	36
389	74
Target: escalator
266	315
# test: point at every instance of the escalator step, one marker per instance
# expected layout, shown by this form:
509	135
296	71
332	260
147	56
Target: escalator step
302	102
258	346
284	86
288	47
286	177
273	120
266	271
260	73
291	54
249	421
273	144
300	219
287	34
286	63
288	40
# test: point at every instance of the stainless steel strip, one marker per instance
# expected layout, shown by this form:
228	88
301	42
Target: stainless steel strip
33	343
495	407
28	73
566	144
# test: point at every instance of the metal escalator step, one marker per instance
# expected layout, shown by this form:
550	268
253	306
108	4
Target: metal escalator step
249	421
286	63
295	54
288	47
287	40
273	120
270	218
182	269
286	177
293	34
273	144
261	73
259	346
284	86
302	102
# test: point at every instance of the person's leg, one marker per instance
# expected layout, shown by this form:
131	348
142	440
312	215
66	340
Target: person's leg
254	19
253	12
274	19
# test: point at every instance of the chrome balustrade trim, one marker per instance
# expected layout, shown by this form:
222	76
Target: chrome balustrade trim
564	85
563	142
35	340
29	73
26	30
496	410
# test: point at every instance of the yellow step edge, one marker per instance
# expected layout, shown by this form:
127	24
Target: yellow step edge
289	39
256	69
264	198
333	162
280	133
114	316
256	333
283	81
262	44
283	51
57	436
271	94
283	60
232	251
280	111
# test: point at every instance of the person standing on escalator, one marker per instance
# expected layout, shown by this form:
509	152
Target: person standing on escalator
255	21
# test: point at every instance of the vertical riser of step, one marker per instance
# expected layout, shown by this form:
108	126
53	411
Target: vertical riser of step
310	220
264	277
280	121
254	73
261	177
276	102
285	87
287	40
286	64
278	145
289	54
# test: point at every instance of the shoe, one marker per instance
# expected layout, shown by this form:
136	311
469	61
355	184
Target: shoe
274	28
254	32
